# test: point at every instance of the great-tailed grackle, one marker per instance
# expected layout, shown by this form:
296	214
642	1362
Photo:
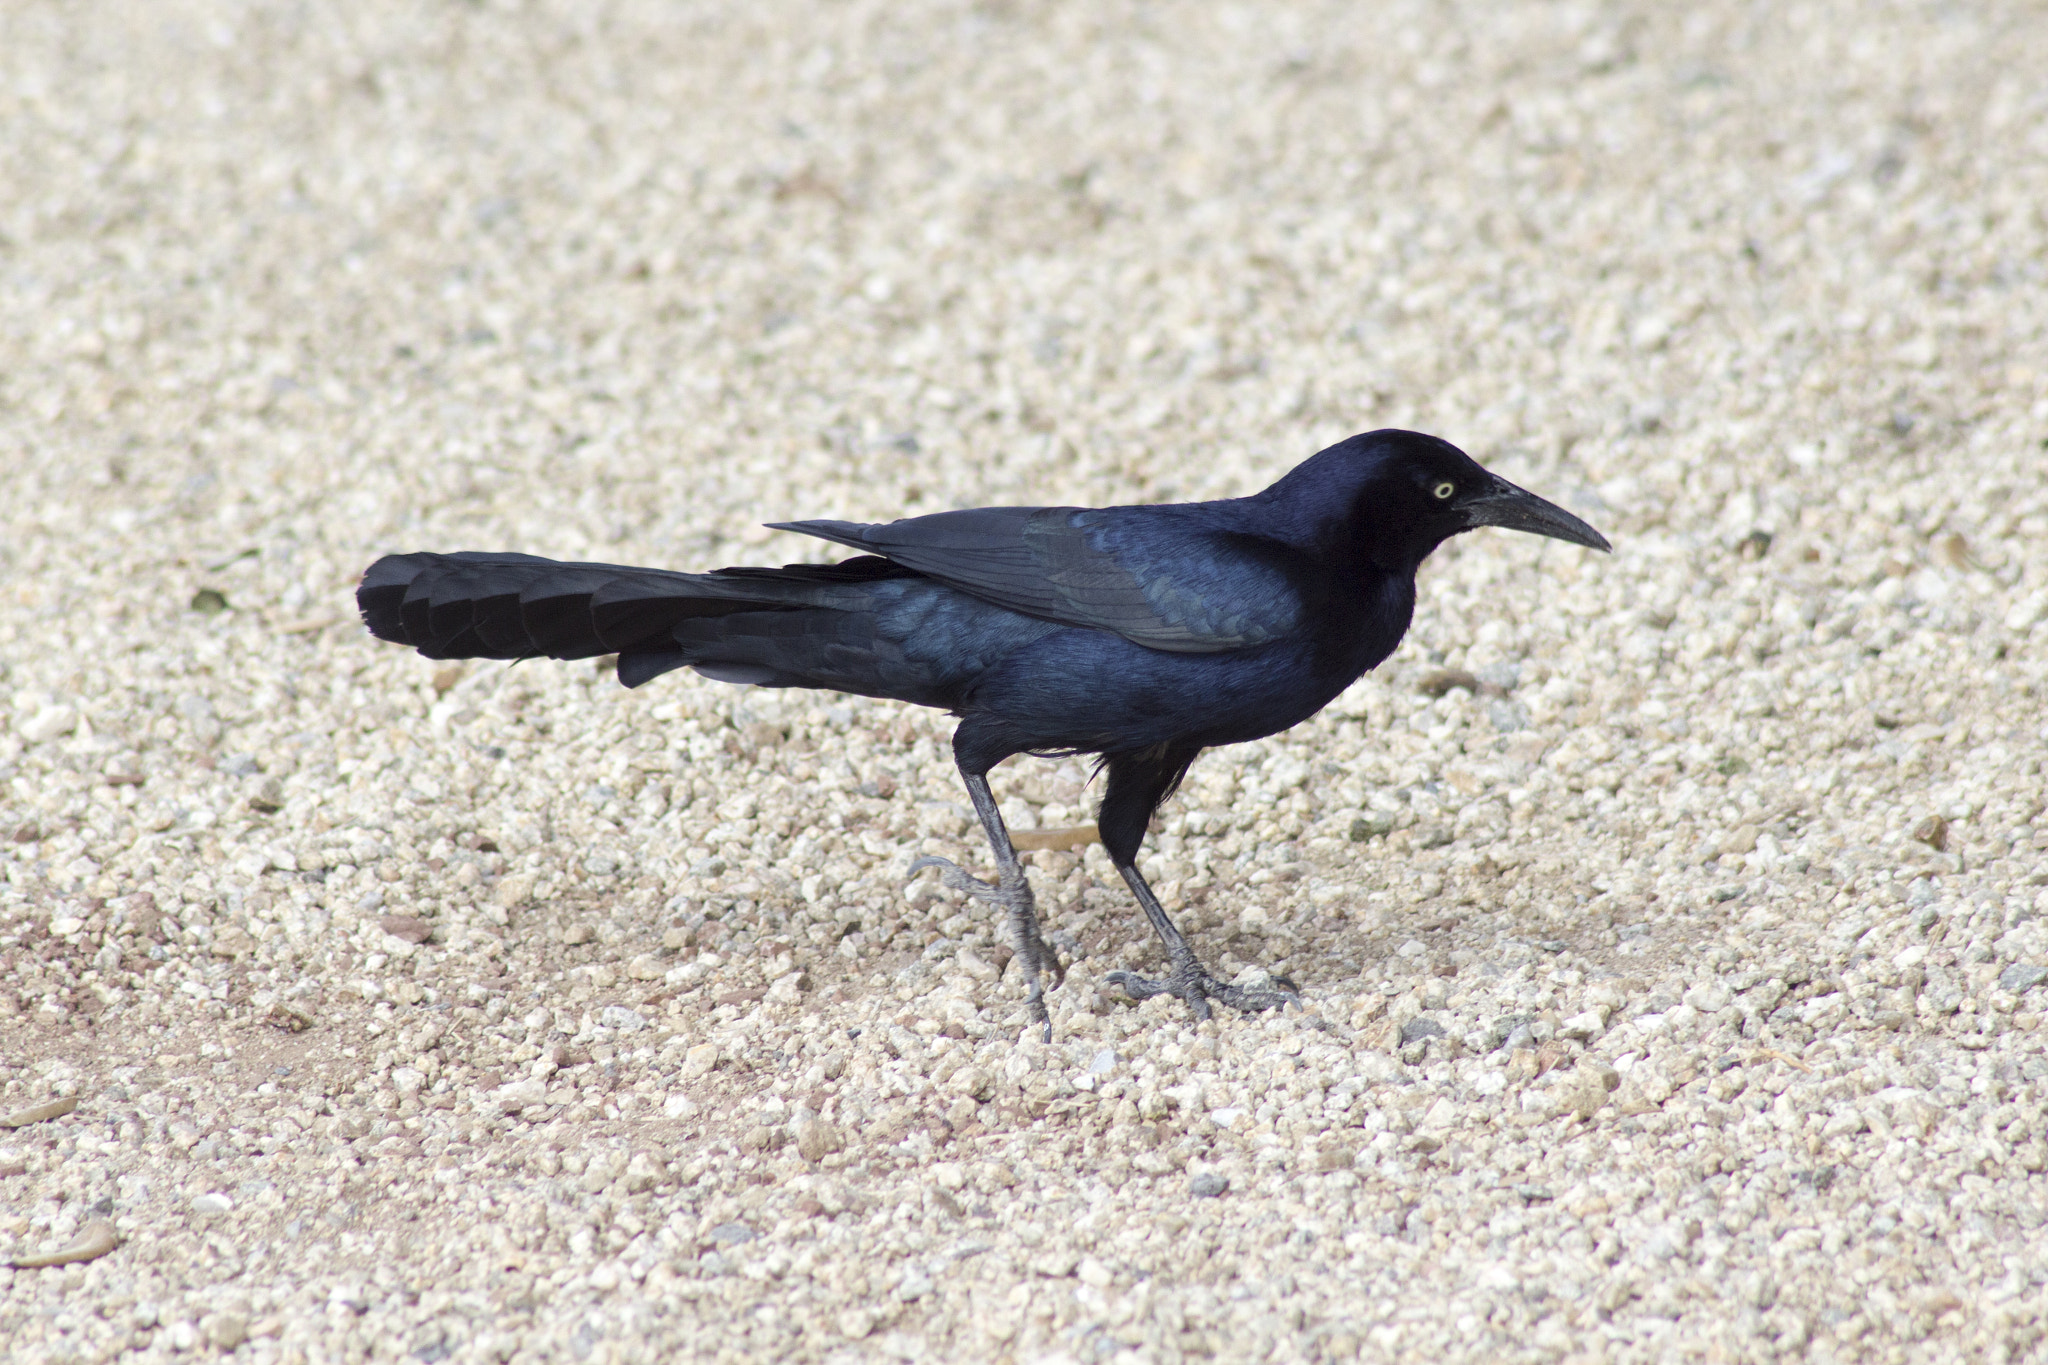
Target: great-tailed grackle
1143	634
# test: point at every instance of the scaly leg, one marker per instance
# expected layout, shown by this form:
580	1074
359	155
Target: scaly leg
1138	782
1186	977
1010	891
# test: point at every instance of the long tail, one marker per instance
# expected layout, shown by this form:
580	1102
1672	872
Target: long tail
475	605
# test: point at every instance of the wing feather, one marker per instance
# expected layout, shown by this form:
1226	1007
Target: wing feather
1164	577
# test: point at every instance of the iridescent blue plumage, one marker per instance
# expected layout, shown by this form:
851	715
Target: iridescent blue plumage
1142	633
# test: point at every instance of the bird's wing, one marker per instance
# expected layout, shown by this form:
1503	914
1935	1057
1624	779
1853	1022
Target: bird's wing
1155	575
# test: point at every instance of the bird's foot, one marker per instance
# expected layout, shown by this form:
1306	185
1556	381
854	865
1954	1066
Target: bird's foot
1191	981
960	879
1013	894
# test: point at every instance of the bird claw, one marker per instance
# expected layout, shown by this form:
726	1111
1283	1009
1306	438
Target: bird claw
1015	898
1192	982
960	879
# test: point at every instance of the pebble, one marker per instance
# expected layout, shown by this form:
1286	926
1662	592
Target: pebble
1581	1027
2022	976
51	722
816	1139
226	1331
406	928
1421	1027
621	1018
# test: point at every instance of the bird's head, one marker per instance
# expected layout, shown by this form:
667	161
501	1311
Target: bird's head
1410	492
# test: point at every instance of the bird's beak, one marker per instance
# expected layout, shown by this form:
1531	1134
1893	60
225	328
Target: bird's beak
1517	509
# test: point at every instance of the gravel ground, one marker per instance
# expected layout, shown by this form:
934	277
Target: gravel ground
1671	925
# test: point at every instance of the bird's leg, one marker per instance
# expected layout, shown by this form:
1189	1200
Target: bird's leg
1186	977
1138	782
1010	891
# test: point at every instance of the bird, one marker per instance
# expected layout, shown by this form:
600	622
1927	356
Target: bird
1141	634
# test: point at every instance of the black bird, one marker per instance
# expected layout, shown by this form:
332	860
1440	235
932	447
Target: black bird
1143	634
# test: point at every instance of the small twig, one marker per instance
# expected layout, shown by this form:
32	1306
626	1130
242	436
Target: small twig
1057	840
38	1113
93	1241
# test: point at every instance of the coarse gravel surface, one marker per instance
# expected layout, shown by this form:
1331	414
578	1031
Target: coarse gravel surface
1672	926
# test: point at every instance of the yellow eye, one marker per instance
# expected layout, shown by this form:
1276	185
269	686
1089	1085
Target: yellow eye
1444	490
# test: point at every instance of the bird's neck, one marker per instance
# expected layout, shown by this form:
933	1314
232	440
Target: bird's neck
1386	606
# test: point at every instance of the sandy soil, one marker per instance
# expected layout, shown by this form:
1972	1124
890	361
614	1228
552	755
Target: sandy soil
1671	924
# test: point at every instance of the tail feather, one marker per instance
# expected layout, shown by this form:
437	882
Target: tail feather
513	606
560	617
467	610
